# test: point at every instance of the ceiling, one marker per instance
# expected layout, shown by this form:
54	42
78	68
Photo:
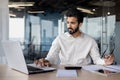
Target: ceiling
98	7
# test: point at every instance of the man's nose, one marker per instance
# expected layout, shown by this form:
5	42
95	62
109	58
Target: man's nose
69	25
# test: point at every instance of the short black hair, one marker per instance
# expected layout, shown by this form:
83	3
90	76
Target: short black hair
73	12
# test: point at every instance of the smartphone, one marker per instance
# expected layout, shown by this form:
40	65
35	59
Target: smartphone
73	67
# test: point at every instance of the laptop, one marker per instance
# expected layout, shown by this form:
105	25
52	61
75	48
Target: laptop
15	59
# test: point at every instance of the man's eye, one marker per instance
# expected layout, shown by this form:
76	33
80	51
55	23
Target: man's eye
72	23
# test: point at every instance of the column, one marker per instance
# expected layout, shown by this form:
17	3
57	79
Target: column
4	26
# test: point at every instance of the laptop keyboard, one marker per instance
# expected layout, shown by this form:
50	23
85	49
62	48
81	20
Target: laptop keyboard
33	70
30	68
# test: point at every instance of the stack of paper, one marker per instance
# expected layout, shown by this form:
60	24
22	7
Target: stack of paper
66	73
92	67
104	70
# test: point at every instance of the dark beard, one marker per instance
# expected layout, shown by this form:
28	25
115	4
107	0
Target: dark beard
73	31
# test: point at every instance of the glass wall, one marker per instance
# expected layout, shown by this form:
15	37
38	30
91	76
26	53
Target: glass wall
35	32
101	31
16	29
40	31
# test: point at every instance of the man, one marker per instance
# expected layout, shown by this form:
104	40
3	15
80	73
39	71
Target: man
74	47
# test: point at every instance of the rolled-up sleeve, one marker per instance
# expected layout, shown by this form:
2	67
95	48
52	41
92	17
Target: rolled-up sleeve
53	54
94	52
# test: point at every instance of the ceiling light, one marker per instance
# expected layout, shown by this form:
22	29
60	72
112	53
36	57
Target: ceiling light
12	15
85	10
103	3
108	13
94	9
36	11
17	4
19	7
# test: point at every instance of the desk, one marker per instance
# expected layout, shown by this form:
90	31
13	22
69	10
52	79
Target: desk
7	73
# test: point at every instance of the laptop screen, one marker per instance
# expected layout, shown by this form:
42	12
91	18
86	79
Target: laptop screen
16	60
14	55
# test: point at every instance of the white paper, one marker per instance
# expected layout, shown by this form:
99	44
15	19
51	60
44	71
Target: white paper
92	67
66	73
115	68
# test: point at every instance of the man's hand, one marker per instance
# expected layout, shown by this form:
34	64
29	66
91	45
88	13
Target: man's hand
109	59
42	62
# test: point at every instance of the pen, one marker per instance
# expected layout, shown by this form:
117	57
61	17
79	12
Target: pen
111	52
104	52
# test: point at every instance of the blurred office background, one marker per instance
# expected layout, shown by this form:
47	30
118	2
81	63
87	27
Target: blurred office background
36	23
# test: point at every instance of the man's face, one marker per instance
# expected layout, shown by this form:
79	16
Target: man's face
72	25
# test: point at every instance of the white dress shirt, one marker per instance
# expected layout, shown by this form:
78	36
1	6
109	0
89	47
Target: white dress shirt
75	51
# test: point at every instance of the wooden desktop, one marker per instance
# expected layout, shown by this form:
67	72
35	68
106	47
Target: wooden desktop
6	73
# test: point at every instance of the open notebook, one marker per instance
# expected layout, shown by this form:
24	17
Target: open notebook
15	59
